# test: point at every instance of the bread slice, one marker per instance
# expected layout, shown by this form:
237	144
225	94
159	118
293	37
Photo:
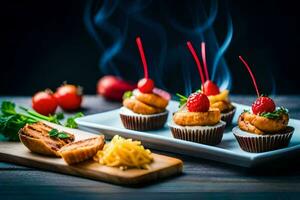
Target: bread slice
36	138
81	150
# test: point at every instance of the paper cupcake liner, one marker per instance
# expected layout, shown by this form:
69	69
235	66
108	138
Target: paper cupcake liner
144	122
211	135
227	117
261	143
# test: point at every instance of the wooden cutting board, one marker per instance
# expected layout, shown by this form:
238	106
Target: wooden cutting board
162	166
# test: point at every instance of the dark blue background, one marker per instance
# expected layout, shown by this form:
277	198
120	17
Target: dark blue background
44	43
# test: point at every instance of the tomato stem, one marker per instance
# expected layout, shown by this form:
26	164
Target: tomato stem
197	61
142	54
251	74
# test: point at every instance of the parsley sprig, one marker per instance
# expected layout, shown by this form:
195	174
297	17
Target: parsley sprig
272	115
275	114
71	120
58	134
182	99
12	120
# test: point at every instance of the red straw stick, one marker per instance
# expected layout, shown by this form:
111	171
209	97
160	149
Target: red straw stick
192	50
204	60
251	74
142	54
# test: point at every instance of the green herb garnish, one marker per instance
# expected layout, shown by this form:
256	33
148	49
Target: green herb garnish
127	95
199	91
8	108
10	125
246	111
11	121
60	116
71	120
182	99
276	114
58	134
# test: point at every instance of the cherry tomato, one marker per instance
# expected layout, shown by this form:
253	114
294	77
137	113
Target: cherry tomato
69	97
44	102
146	85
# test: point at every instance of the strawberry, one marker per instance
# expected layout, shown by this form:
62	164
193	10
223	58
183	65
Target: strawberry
263	105
197	102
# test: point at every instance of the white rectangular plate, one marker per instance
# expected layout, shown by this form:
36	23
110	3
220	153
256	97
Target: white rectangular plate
228	151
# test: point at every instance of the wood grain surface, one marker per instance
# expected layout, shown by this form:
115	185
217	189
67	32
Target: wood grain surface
161	167
201	179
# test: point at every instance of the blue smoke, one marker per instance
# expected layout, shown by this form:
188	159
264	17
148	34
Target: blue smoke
114	25
202	30
199	28
219	59
100	21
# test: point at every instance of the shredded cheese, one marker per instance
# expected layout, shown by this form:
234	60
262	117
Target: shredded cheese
124	153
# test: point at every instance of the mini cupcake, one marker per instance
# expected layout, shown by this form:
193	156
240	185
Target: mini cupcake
197	122
144	108
219	100
265	127
143	111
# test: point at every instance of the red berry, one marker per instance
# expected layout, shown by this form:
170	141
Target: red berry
146	85
262	105
210	88
197	102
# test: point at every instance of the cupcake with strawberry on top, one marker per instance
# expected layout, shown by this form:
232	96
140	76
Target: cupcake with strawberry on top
145	107
196	120
265	127
218	99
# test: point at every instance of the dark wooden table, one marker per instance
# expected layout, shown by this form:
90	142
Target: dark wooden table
201	178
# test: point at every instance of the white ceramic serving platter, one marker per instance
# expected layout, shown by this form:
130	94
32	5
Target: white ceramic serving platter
228	151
